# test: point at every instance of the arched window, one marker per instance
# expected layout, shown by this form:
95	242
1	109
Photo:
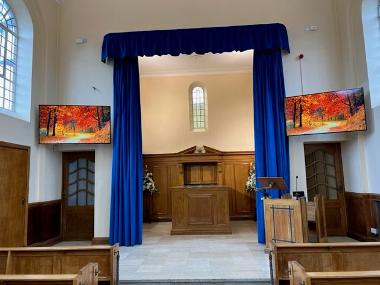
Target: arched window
198	107
8	57
371	29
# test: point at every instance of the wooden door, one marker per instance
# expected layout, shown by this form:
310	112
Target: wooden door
78	195
14	180
324	174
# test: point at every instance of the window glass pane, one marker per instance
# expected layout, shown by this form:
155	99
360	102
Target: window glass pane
82	174
82	185
72	200
82	163
90	199
8	54
90	187
199	107
72	166
72	188
72	177
91	166
82	198
91	176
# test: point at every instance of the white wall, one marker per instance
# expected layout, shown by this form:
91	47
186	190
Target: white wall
45	171
80	67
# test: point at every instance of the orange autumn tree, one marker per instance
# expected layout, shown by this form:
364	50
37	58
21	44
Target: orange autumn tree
67	120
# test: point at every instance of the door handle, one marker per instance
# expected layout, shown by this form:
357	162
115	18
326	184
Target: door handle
23	201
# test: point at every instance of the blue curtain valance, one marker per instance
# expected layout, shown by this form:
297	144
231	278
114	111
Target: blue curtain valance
198	40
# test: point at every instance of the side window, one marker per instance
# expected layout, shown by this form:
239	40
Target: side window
8	57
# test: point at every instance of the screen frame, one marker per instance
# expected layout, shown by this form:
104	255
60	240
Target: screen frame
327	133
67	143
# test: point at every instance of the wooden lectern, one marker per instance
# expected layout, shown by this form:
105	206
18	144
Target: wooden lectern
271	183
285	219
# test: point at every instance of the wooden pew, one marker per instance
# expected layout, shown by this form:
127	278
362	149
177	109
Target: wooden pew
325	257
299	276
60	260
88	275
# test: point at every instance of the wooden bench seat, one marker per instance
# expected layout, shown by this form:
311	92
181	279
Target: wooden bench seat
325	257
299	276
60	260
86	276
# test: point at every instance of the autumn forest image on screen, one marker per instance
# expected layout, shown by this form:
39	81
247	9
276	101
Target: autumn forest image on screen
329	112
75	124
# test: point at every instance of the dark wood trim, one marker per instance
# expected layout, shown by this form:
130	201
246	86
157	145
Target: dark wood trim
27	148
48	242
100	240
44	203
13	145
362	215
166	155
44	224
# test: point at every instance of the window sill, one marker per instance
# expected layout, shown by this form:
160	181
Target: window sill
14	115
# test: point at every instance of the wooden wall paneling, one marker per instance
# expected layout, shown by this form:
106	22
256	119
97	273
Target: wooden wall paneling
44	223
229	181
218	167
362	215
14	176
160	207
243	199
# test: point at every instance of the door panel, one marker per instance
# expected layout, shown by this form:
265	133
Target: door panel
14	176
324	175
78	195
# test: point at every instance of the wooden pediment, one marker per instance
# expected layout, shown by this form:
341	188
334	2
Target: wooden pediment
197	150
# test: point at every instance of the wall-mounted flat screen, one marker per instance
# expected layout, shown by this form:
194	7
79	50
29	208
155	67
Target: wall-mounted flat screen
328	112
74	124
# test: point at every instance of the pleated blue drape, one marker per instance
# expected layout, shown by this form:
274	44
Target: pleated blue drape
127	165
271	147
271	142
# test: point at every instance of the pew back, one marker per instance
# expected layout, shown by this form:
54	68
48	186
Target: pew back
298	276
59	260
325	257
86	276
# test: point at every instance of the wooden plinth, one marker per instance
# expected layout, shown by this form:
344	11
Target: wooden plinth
201	209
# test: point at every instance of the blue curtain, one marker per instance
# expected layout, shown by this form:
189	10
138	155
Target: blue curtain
271	142
270	139
127	165
199	40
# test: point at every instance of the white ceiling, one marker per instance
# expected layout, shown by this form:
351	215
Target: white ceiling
196	64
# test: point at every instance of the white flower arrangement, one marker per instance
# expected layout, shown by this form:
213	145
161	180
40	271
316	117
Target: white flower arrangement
250	185
148	183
